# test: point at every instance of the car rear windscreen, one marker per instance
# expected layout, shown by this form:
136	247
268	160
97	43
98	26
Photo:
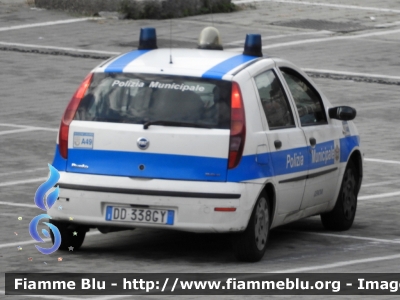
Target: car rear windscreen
142	98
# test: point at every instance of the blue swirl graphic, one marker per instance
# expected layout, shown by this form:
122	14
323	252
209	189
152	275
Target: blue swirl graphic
46	203
35	235
40	194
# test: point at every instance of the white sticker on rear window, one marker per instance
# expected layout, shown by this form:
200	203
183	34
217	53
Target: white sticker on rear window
129	83
83	140
159	85
174	86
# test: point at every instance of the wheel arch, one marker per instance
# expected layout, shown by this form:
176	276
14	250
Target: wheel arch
356	158
269	190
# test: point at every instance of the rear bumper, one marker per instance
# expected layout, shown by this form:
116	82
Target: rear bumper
85	198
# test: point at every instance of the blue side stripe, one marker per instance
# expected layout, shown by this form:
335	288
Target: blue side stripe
184	167
147	165
328	157
58	161
121	62
218	71
249	169
346	146
278	164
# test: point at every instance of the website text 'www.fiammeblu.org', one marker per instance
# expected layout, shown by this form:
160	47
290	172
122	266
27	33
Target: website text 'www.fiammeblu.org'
201	284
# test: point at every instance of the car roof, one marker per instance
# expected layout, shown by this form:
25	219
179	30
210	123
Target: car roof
214	64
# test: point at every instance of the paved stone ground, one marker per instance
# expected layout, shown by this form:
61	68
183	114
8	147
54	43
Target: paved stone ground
35	89
154	9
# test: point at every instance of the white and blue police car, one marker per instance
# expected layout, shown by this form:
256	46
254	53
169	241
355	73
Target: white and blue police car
204	140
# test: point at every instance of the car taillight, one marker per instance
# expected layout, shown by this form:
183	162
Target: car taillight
69	115
238	127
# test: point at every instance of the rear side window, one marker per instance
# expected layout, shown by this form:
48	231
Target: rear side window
273	100
141	98
308	101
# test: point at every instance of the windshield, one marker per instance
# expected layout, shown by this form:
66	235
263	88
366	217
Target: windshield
143	98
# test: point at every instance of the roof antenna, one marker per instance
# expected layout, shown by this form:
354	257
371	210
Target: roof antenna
170	39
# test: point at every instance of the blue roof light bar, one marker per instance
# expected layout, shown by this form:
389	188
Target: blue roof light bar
253	46
148	39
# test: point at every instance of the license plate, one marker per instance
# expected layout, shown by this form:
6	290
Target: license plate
140	215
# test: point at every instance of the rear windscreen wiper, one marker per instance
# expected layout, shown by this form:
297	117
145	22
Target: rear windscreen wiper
174	123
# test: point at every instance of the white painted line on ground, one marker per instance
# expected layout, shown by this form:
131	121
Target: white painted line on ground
338	264
346	236
47	297
379	196
69	21
16	244
29	127
50	296
10	183
385	25
114	297
71	298
17	204
24	171
230	49
327	39
322	32
15	131
380	183
321	4
382	161
40	296
352	74
59	48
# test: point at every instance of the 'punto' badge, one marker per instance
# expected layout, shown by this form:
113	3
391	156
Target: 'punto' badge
142	143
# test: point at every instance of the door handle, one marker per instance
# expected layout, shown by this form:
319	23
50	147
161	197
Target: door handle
278	144
313	141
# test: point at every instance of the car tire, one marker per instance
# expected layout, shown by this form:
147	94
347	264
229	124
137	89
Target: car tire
68	238
342	216
250	244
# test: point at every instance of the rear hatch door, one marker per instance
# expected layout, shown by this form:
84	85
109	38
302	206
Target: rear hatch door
152	126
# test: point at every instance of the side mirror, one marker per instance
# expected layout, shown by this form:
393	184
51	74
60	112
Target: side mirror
343	113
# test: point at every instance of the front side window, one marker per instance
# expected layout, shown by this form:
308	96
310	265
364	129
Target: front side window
274	101
308	101
142	98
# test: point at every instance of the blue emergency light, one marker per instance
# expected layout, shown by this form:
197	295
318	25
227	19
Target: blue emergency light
253	46
148	39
